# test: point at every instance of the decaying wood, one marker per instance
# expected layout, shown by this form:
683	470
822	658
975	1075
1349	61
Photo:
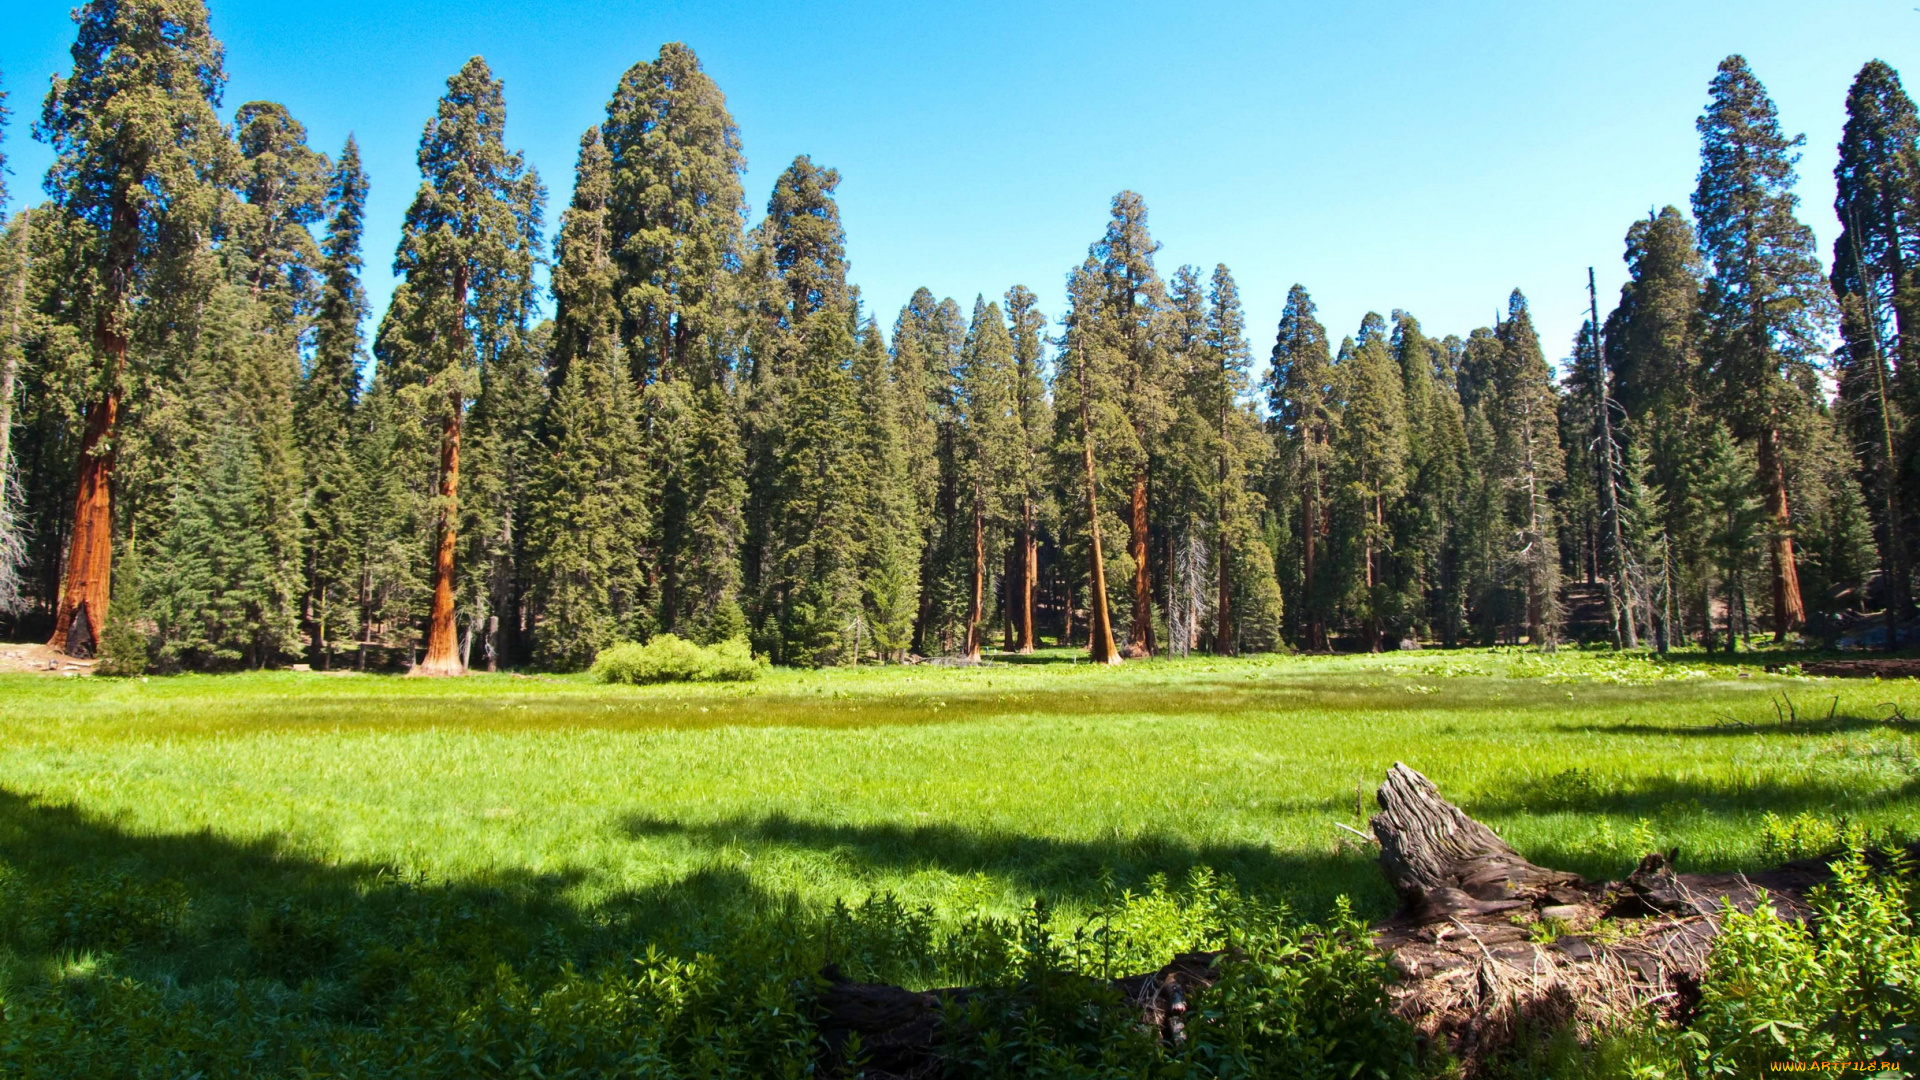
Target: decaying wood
1487	945
1892	668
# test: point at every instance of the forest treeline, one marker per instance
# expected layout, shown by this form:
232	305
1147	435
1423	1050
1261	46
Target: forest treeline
214	460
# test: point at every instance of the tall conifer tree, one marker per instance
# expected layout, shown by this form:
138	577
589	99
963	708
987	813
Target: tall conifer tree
1876	274
1302	404
137	145
327	421
1034	412
588	506
1767	302
467	257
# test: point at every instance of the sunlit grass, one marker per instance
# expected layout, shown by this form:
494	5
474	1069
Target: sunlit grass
963	787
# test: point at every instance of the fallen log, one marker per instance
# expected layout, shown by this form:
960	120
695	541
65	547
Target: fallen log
1487	945
1888	668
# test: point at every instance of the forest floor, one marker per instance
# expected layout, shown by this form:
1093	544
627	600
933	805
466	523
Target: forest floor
961	788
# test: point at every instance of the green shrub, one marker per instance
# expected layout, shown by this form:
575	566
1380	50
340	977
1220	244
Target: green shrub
1843	987
668	658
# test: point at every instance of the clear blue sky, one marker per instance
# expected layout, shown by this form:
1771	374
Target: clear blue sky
1422	156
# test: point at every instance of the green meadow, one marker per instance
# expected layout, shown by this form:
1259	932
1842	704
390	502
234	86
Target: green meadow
959	788
304	874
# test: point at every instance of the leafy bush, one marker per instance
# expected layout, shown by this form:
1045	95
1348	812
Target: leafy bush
1844	987
668	658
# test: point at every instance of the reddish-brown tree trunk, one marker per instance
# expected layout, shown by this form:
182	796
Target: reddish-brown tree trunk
443	649
1101	647
976	613
1316	632
1789	611
89	579
1029	568
1140	632
443	652
87	585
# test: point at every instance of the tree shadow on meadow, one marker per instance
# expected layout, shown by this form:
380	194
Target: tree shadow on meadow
1058	870
1783	715
200	908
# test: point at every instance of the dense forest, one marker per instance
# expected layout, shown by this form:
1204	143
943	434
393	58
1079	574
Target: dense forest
212	460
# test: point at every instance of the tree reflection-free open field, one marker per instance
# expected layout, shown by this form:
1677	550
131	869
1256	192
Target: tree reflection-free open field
958	788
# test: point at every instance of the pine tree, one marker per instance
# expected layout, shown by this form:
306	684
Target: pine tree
988	417
1370	455
677	216
804	423
1034	411
327	421
137	143
890	522
1529	463
14	271
588	502
676	213
1424	525
1766	303
1247	602
1653	347
466	252
1130	323
1877	199
1302	404
1088	419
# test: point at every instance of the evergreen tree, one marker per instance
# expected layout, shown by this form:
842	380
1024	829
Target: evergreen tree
1876	275
1128	322
890	523
466	252
1766	303
1302	404
1529	464
588	499
327	421
1370	460
1653	348
1089	418
137	146
1424	524
1026	459
804	422
989	418
677	215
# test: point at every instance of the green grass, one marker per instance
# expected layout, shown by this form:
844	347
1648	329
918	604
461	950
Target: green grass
319	866
954	787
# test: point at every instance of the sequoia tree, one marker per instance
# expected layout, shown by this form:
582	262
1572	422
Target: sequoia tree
1767	302
466	262
137	146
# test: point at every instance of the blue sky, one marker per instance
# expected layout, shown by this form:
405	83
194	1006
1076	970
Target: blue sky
1422	156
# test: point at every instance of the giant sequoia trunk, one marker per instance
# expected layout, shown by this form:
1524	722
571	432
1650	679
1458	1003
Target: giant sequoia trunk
1789	612
1140	630
976	609
88	582
443	651
1028	567
1472	975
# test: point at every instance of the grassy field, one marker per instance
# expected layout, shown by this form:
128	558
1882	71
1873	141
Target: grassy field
271	874
959	788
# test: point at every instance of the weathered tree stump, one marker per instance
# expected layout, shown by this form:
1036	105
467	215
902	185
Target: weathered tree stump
1488	946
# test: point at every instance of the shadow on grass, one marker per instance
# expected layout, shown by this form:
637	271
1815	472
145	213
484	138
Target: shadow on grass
1072	871
1783	716
1579	791
201	910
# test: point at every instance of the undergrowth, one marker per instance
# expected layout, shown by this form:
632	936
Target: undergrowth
406	978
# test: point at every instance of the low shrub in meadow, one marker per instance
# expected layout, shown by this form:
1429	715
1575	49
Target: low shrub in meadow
667	658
